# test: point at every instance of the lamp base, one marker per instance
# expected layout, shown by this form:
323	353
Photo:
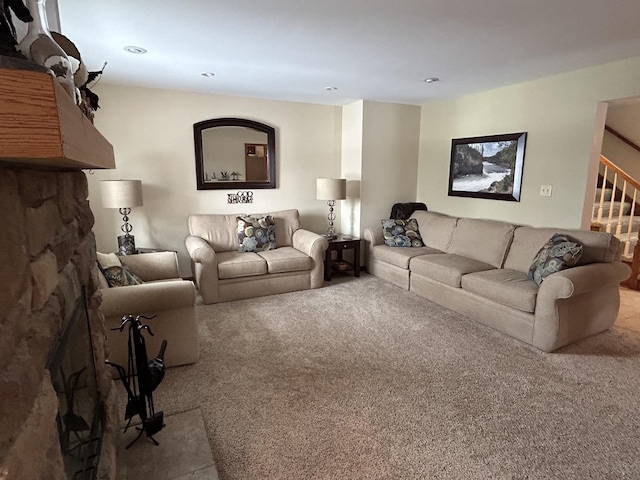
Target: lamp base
330	236
127	245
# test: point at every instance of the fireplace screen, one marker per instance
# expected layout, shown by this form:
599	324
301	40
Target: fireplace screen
73	375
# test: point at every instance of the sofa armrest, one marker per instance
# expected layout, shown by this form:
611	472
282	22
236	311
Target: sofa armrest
579	280
309	242
313	245
199	250
373	236
205	267
577	302
147	298
153	266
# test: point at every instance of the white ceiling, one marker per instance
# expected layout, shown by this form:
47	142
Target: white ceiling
369	49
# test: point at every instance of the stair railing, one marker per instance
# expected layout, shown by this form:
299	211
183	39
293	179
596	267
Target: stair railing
628	184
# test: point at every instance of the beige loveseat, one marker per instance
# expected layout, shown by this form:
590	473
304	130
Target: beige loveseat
163	294
479	268
222	273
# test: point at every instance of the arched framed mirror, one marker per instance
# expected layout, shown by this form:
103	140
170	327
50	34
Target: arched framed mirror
234	153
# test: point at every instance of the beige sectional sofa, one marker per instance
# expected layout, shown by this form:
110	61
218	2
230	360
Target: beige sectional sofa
222	273
479	268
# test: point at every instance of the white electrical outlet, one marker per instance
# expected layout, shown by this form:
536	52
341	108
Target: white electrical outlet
545	190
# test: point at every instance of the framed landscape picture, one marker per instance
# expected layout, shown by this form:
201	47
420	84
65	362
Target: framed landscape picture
487	167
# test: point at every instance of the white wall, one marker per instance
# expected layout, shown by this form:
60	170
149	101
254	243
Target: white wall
560	115
152	134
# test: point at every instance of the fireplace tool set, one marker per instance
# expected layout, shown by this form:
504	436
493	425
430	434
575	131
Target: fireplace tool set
141	377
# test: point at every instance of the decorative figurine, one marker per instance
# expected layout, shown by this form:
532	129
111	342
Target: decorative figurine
8	39
39	46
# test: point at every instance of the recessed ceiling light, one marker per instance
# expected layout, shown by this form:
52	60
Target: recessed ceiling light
134	49
208	74
329	89
431	80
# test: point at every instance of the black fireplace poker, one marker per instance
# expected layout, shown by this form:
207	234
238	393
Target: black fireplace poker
141	378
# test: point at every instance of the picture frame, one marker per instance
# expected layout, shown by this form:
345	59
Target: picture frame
487	167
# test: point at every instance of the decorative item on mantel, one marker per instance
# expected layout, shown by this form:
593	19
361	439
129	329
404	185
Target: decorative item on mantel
39	46
8	39
46	51
123	194
240	197
331	189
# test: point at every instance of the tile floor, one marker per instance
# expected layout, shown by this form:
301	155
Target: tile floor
184	453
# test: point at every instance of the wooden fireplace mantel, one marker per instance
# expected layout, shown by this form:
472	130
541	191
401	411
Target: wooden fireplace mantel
40	125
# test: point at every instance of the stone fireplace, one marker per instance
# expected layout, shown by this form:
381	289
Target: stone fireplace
48	274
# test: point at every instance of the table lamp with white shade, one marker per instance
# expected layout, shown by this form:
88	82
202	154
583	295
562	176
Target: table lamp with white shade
123	195
331	189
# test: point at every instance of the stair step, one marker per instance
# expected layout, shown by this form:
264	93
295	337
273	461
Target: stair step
606	207
624	223
607	194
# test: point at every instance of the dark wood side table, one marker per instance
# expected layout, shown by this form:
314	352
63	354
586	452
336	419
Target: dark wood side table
338	245
140	250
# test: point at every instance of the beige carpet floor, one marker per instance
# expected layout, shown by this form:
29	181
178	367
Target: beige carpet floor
362	380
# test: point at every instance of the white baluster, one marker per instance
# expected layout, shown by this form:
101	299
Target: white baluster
602	188
622	199
627	243
612	202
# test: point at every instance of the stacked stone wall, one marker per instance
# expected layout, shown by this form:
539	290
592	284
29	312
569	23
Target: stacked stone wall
47	264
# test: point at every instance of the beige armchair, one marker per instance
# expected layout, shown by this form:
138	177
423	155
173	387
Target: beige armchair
163	294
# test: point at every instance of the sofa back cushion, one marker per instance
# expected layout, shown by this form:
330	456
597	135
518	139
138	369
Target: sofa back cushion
483	240
220	231
596	246
436	229
287	222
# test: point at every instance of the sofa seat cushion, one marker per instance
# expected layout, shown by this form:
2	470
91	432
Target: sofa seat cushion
286	259
240	264
400	257
504	286
446	268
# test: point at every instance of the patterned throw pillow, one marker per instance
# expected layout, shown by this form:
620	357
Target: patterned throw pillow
256	234
559	253
120	276
402	233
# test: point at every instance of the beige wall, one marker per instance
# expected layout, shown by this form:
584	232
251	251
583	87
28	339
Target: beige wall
379	159
559	113
152	134
390	152
374	145
351	166
624	118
